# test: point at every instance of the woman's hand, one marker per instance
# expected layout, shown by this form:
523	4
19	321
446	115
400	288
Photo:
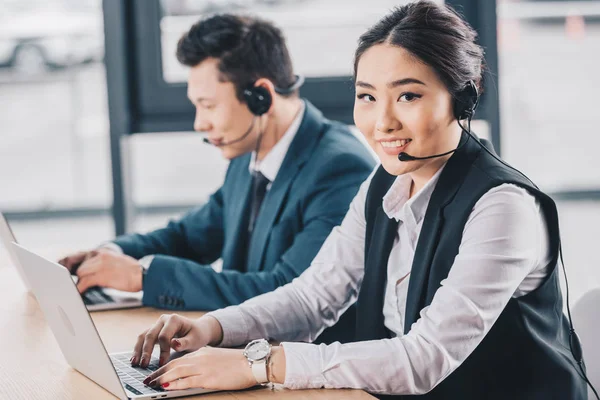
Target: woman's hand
207	368
178	333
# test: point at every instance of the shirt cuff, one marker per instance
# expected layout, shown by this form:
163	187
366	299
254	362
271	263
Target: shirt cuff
146	261
112	247
302	366
233	324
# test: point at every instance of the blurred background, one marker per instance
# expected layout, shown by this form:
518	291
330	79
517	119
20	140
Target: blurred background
74	171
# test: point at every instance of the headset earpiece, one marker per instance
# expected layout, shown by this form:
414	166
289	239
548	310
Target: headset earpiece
258	99
466	102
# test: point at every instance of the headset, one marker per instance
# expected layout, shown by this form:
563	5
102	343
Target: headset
464	105
258	100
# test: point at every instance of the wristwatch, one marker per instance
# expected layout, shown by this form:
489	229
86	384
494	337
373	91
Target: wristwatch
258	352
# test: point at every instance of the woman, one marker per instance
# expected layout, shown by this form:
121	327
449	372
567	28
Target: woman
449	254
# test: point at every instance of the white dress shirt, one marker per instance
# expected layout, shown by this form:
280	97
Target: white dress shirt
268	166
503	254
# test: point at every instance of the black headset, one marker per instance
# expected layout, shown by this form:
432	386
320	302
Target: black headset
466	101
259	100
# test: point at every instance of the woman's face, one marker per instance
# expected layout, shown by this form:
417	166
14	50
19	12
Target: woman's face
402	106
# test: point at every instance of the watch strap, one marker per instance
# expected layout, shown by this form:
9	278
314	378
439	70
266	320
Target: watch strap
259	370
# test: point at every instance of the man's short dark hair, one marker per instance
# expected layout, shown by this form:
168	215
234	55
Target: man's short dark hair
247	48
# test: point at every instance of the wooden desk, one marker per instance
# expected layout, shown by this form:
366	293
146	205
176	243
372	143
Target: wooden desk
32	366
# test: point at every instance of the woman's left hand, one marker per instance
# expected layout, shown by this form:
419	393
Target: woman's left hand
207	368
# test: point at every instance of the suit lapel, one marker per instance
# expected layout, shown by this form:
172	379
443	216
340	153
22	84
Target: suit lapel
449	182
300	149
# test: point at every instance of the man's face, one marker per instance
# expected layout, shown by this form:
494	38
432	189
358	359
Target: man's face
219	113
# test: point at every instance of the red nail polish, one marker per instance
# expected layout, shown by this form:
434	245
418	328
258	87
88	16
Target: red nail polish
176	343
165	385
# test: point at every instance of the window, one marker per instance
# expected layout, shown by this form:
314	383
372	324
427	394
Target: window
54	118
549	83
549	63
321	35
324	55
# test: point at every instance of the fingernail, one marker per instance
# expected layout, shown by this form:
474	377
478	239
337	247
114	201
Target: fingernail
132	360
165	385
176	343
146	381
142	361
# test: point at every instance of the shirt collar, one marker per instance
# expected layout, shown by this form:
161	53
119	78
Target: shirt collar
396	203
270	165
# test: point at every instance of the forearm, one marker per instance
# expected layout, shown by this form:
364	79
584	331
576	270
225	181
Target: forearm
193	286
198	235
168	241
298	311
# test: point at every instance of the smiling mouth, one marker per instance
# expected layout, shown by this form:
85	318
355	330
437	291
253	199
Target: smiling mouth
394	144
395	147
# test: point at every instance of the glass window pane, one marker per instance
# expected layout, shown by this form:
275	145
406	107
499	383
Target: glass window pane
321	34
174	169
549	61
54	149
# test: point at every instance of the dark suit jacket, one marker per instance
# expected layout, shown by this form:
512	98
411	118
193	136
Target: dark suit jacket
321	173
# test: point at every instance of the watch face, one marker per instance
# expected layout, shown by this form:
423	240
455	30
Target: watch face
257	350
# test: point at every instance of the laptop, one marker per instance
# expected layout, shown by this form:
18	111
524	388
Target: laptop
78	338
95	299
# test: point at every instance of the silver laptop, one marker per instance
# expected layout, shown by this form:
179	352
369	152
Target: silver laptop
95	299
77	336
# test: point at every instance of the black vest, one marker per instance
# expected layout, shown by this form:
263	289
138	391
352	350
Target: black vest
526	353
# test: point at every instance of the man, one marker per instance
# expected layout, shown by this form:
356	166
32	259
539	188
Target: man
291	178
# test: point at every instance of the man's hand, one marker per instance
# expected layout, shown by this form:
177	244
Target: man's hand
106	268
176	332
72	261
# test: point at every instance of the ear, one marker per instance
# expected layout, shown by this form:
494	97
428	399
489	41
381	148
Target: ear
268	85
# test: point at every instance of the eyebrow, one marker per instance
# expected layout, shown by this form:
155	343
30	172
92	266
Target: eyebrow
391	85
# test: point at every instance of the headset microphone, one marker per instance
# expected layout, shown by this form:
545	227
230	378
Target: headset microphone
222	144
407	157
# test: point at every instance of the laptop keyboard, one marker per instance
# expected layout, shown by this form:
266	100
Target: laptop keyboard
96	296
132	378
